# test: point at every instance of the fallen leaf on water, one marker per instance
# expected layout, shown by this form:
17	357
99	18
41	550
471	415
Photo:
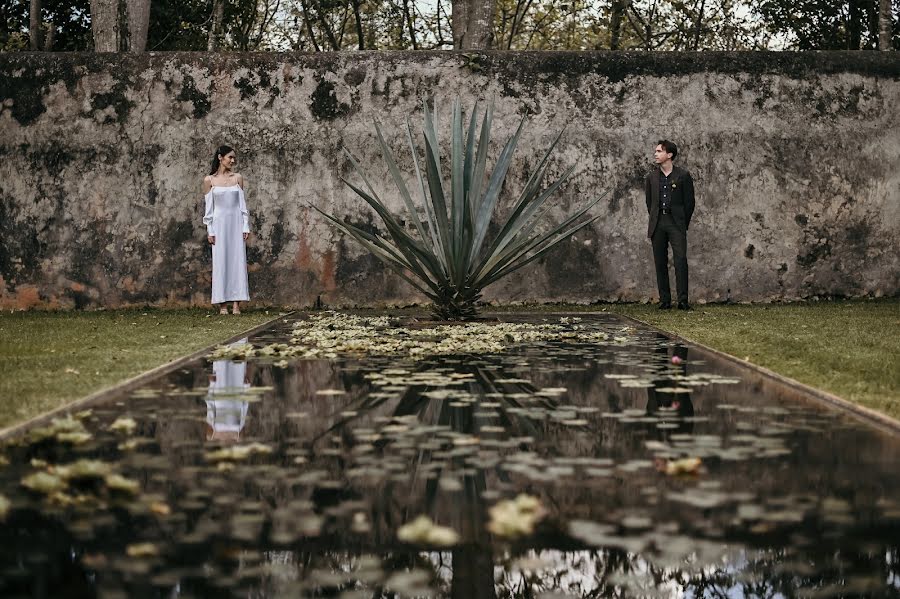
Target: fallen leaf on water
512	518
360	523
84	469
142	550
117	482
160	508
74	438
238	452
123	425
43	482
682	466
94	560
423	531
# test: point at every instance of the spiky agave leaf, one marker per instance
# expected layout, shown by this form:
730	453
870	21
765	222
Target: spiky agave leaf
446	257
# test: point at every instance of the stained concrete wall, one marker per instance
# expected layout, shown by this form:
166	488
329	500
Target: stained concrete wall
796	158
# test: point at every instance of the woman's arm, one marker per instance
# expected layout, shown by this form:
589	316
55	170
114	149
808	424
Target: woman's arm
209	207
245	214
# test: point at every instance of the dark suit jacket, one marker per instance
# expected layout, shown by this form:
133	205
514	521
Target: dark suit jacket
682	203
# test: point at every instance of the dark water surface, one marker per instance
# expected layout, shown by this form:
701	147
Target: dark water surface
264	478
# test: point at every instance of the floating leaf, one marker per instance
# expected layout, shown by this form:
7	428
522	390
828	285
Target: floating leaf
43	482
422	531
142	550
123	425
515	518
410	584
360	523
238	452
117	482
160	508
84	469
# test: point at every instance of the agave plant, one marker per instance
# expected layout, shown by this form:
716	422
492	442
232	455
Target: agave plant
449	256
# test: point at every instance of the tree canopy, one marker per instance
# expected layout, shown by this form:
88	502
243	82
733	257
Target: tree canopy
329	25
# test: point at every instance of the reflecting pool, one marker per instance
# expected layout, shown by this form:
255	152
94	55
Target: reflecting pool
586	458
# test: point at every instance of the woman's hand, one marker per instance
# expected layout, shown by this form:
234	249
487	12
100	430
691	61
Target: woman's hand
246	235
211	239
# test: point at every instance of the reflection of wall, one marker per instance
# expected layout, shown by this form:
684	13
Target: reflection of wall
79	232
295	387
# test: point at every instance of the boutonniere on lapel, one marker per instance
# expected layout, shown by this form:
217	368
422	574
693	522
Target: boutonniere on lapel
674	185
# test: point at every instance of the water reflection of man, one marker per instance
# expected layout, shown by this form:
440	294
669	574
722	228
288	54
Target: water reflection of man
679	403
225	415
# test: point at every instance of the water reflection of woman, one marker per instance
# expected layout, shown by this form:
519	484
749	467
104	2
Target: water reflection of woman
680	403
225	415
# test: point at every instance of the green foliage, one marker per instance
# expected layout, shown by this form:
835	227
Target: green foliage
449	257
179	25
824	24
69	19
327	25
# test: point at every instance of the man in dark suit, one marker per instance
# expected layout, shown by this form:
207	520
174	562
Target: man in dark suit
670	203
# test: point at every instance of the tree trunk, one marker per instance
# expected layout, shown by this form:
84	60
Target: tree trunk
35	28
459	21
105	25
360	38
49	37
698	27
212	44
308	23
854	26
325	26
473	574
440	33
138	23
409	23
615	24
473	24
884	25
480	32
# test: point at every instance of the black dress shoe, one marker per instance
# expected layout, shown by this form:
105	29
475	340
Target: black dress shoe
664	306
683	306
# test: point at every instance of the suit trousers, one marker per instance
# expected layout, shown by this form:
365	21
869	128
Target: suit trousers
669	233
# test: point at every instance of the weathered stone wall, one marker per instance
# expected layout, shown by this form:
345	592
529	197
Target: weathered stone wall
796	159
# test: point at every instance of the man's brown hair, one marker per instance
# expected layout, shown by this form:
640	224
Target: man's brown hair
669	147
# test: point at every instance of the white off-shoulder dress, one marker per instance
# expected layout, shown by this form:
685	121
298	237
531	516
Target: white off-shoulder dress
227	219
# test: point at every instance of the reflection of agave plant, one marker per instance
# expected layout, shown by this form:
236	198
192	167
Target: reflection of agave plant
449	258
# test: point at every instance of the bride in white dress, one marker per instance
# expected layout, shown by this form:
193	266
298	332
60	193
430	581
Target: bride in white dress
228	226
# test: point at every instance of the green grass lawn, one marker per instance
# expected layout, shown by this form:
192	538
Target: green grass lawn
51	358
849	348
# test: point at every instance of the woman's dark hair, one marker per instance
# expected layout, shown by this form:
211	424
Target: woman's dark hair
220	151
667	145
